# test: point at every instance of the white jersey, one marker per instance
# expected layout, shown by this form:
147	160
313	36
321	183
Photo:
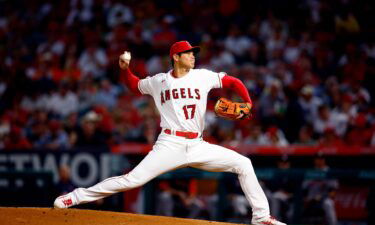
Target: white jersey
181	101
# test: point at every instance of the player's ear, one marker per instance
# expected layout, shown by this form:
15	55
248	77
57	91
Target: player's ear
175	57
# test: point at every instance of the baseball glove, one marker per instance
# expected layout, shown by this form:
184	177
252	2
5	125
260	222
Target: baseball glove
232	110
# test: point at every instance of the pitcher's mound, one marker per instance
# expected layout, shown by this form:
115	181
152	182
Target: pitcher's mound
48	216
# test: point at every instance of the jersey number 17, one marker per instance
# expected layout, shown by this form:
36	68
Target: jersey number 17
188	108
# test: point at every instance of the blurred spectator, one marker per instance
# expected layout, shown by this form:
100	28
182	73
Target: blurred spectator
179	198
63	102
87	90
105	124
119	14
54	138
164	34
156	64
256	137
71	126
343	113
93	61
107	94
37	127
352	65
276	36
238	208
65	184
323	120
149	131
319	207
330	138
306	136
360	133
272	104
237	43
220	58
16	140
274	137
283	192
80	12
88	134
309	103
360	96
34	101
292	50
71	72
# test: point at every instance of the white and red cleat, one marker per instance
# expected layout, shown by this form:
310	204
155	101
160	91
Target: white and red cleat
266	221
64	201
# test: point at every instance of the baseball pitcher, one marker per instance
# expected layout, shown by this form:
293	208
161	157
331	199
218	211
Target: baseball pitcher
181	98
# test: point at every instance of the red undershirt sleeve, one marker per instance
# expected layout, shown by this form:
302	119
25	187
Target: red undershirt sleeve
131	81
236	85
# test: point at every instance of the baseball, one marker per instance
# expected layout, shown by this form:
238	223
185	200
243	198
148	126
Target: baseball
126	56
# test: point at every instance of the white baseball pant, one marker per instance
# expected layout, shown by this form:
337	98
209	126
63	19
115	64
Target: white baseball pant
172	152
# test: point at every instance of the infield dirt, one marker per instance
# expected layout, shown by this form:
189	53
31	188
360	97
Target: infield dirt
49	216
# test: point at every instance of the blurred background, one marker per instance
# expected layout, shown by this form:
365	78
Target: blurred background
67	120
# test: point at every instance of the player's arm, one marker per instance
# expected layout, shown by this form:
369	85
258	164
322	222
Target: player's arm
130	79
237	86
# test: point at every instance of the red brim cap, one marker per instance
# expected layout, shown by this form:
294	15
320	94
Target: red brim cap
182	46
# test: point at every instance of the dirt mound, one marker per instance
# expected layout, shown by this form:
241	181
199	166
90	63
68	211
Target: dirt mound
48	216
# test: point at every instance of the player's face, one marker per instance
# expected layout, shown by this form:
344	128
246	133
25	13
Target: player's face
187	59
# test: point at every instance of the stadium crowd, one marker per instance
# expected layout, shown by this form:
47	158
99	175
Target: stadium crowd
309	67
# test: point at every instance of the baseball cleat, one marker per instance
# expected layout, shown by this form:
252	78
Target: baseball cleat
266	221
64	201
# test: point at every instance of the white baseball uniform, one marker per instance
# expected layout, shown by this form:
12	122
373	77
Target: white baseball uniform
182	106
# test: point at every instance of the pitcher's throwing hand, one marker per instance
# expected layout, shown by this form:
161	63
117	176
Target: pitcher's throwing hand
124	60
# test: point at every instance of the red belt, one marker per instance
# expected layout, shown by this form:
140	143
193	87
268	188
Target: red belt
188	135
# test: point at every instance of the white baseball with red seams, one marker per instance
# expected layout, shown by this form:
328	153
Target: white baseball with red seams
182	105
126	56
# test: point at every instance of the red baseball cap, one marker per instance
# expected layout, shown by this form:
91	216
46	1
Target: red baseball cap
182	46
